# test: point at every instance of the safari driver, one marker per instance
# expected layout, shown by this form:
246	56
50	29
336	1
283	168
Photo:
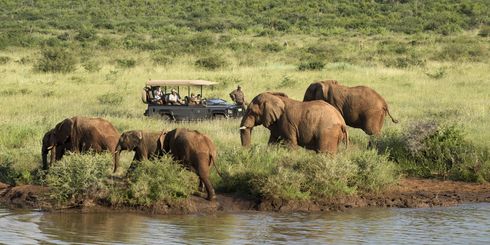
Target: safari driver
238	97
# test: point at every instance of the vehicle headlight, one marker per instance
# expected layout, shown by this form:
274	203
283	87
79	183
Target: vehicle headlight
230	111
239	109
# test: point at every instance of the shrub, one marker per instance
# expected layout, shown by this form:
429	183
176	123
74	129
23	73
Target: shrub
300	175
484	31
311	65
111	98
56	60
4	60
154	181
272	47
92	66
8	174
162	59
126	63
86	34
287	82
212	62
78	177
437	150
438	74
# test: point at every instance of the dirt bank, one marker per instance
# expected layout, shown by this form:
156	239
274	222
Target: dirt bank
409	193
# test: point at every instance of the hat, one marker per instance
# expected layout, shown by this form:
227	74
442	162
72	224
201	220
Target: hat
239	86
173	90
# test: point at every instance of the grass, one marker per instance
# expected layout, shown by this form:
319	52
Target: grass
446	87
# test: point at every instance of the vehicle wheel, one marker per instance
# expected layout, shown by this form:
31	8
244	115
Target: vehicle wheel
219	116
165	117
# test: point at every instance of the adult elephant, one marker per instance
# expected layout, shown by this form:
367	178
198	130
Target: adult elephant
314	125
361	106
145	144
56	151
81	134
195	151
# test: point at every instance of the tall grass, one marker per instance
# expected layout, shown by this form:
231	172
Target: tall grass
451	85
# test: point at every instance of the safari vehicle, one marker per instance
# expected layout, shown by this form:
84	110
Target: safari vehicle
187	109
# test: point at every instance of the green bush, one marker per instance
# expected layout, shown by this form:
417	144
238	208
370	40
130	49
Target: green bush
435	150
212	62
484	31
311	66
300	175
287	82
162	58
86	34
154	181
92	66
78	177
126	63
272	47
56	60
4	60
111	98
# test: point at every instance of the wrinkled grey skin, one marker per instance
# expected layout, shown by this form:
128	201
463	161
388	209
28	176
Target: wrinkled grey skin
80	134
195	151
48	146
314	125
145	144
361	107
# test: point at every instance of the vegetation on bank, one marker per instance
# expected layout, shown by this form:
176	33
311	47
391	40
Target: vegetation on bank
428	59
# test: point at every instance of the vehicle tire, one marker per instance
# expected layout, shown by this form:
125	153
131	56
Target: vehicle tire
166	117
219	117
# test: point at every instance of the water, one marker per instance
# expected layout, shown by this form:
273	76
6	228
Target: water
464	224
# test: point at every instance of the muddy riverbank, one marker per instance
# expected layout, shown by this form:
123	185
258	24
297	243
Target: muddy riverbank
408	193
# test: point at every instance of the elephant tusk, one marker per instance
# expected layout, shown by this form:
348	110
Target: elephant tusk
243	127
49	148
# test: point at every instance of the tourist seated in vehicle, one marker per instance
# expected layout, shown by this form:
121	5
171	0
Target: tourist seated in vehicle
194	100
174	98
158	96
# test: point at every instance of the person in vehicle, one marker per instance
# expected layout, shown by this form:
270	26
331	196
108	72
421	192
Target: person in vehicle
173	98
158	95
238	97
193	100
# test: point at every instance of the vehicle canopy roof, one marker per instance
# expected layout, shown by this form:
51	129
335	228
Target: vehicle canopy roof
180	83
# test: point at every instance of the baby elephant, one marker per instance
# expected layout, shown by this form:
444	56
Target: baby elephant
195	151
145	144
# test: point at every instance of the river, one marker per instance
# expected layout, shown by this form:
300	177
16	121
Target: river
463	224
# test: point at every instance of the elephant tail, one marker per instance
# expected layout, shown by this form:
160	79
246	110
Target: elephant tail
212	160
346	135
388	112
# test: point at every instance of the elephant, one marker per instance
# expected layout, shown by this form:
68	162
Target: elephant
361	106
47	147
195	151
145	144
81	134
314	125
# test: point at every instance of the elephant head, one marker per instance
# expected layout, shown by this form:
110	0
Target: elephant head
56	140
319	90
265	109
47	145
131	140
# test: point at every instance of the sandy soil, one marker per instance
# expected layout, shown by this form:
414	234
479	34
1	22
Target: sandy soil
409	193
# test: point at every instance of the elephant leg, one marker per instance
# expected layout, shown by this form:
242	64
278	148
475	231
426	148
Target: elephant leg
329	141
203	173
273	139
201	186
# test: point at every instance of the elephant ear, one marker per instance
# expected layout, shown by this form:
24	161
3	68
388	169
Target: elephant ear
63	130
272	110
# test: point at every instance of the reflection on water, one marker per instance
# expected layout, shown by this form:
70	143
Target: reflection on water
465	224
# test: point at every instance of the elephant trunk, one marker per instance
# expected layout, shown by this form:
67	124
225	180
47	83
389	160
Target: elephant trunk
116	155
246	136
44	154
